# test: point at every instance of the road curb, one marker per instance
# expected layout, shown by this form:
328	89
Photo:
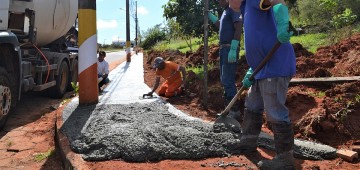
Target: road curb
70	159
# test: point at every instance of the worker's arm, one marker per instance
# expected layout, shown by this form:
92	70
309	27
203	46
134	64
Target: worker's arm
214	19
282	18
235	6
183	73
104	76
246	81
156	85
236	17
235	43
238	28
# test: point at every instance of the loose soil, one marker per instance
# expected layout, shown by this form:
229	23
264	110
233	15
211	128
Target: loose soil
322	112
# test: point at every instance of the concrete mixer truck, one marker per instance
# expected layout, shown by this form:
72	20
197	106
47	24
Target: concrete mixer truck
38	41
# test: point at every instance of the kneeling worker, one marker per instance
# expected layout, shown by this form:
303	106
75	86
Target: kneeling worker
175	82
103	70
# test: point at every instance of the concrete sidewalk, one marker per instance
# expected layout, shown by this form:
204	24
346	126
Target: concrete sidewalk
125	126
127	86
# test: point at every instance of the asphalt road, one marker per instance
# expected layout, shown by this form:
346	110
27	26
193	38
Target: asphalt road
115	56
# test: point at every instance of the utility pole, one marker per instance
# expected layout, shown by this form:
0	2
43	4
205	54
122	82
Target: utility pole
136	27
88	87
206	31
128	52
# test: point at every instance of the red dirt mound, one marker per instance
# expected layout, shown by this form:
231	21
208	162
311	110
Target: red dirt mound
324	112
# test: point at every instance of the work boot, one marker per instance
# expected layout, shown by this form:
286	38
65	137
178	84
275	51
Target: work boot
284	142
251	130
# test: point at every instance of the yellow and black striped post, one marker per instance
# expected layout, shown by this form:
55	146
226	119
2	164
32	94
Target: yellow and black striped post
88	87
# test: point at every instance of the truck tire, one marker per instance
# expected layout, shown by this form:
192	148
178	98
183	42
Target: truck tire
5	97
62	81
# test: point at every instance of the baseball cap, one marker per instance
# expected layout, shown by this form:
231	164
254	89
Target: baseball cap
158	61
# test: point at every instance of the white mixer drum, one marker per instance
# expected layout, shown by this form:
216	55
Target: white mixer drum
53	18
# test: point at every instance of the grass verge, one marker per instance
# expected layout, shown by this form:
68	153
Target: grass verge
42	156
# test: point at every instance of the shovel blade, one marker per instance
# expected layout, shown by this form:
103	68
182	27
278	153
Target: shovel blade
226	124
146	97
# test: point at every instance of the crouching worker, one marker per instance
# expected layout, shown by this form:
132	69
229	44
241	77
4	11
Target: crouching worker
103	70
174	80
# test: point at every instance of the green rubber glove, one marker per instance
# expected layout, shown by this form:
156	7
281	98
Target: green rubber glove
281	14
246	82
233	51
212	17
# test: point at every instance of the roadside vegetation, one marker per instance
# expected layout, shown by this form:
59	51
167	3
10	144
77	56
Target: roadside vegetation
199	71
319	23
45	155
110	48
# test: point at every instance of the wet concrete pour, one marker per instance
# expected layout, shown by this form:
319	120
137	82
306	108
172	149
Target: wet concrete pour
143	132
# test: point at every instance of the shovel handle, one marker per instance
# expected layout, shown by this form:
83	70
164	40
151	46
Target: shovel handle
258	68
265	60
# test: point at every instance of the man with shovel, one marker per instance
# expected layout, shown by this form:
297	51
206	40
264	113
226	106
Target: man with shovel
230	26
174	74
266	22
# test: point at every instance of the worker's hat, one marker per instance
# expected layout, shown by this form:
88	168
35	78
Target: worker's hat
158	61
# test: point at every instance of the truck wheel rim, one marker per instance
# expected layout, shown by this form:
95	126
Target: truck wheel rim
5	100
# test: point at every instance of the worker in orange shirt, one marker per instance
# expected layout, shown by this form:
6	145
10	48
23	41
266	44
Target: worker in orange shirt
175	81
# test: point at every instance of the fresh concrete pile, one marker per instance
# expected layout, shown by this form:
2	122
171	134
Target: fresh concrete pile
141	132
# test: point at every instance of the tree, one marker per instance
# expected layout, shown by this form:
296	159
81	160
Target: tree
344	19
188	15
173	30
354	5
325	15
290	3
152	36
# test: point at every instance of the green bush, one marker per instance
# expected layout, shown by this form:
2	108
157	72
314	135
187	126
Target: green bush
354	5
324	15
312	13
75	88
199	71
153	36
344	19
